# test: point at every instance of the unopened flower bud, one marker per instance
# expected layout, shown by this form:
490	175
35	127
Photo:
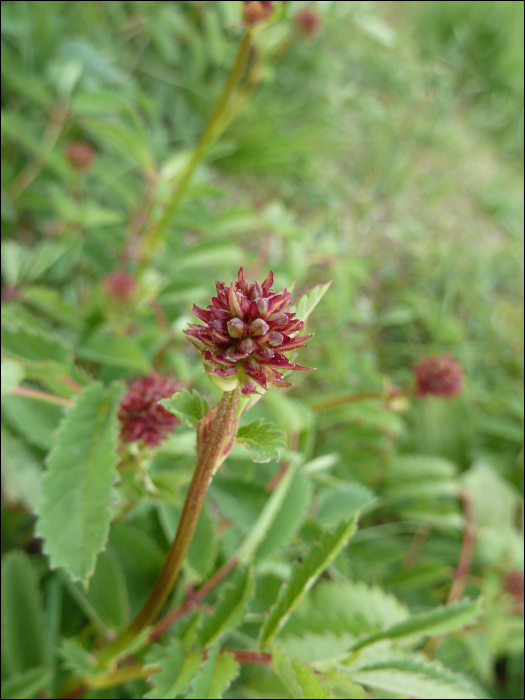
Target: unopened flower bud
255	290
279	319
258	327
247	345
308	22
235	328
275	339
120	287
262	305
257	11
80	155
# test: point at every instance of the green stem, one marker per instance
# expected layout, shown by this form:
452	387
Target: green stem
385	395
41	396
213	130
187	524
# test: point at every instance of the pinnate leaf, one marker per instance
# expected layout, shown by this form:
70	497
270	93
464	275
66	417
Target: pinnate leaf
30	343
117	352
229	609
188	406
300	680
436	621
177	671
358	604
12	375
23	626
76	658
77	488
307	302
261	438
216	675
26	685
304	576
416	677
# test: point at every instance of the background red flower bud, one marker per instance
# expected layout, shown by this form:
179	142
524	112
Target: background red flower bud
80	155
308	22
257	11
120	287
141	416
438	376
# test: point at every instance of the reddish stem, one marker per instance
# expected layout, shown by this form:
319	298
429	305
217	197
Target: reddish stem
251	657
467	550
193	599
276	478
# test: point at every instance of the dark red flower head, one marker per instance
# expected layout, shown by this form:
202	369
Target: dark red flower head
439	376
308	22
141	416
257	11
80	155
120	287
247	333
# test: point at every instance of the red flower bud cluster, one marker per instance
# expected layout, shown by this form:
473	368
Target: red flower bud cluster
438	376
120	287
513	584
257	10
80	155
247	333
141	416
308	22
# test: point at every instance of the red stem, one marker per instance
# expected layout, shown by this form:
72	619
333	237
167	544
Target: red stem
467	550
193	599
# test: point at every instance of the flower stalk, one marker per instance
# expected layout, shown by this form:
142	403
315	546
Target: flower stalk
218	121
208	456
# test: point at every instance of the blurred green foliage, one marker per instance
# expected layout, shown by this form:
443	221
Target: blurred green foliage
386	153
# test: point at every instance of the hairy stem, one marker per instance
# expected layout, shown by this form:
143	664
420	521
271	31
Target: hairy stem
188	521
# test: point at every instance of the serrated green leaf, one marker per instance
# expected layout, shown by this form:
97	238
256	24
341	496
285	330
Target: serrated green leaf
289	518
304	576
113	351
360	604
262	525
343	502
23	686
141	559
28	343
188	406
229	608
312	647
23	625
166	681
12	375
76	658
436	621
307	302
35	420
418	677
347	688
77	488
216	675
21	473
301	680
107	595
261	438
50	303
